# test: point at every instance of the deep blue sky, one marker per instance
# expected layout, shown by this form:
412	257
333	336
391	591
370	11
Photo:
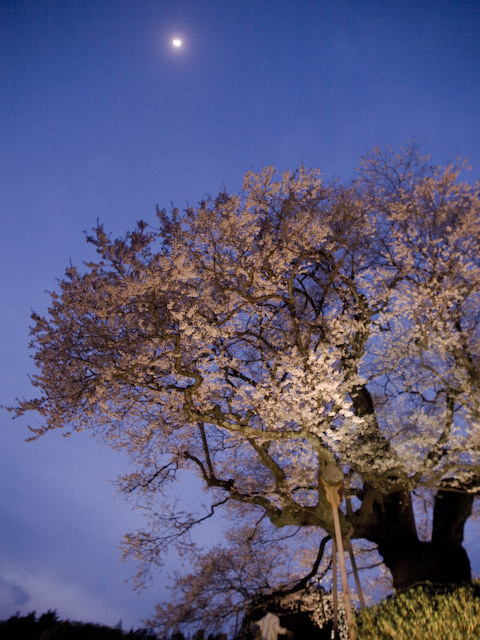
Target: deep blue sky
100	117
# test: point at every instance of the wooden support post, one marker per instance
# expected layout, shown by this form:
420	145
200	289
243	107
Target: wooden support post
332	482
355	570
335	586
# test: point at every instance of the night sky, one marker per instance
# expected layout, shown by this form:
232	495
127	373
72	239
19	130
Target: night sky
102	118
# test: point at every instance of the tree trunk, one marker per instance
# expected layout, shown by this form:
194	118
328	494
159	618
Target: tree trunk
410	560
415	561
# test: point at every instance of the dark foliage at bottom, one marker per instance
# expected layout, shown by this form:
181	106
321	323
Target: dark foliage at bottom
49	627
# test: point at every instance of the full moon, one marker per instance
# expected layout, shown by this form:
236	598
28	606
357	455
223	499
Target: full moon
177	42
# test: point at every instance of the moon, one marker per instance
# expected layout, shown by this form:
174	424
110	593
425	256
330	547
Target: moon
177	42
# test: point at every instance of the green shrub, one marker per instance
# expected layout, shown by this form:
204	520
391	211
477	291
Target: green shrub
423	613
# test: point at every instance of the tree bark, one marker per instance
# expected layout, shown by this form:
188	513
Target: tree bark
415	562
410	560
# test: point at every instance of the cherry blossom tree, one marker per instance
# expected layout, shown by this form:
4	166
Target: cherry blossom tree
262	338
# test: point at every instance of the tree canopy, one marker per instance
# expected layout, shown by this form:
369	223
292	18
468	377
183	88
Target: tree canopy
262	336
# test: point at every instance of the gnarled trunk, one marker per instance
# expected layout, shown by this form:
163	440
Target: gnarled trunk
410	560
